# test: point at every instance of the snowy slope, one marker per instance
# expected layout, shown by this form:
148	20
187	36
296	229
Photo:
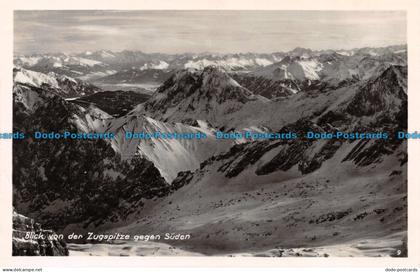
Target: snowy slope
265	198
60	84
279	211
32	78
170	156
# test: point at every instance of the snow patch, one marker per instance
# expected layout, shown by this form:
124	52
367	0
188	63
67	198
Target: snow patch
161	65
311	68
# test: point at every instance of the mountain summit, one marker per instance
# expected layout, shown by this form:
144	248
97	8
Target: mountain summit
209	95
386	93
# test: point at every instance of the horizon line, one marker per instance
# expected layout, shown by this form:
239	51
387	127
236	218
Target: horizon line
207	52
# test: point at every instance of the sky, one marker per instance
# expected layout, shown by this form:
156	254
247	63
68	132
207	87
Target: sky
204	31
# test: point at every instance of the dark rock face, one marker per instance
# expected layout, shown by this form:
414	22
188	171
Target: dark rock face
240	157
181	180
332	216
177	88
368	152
62	182
47	243
308	165
286	158
385	93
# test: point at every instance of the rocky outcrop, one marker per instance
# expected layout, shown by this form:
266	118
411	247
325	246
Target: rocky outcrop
182	179
29	239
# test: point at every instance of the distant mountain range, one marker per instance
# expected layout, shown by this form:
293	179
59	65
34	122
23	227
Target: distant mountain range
137	67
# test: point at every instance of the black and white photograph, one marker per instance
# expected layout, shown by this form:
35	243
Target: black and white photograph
226	133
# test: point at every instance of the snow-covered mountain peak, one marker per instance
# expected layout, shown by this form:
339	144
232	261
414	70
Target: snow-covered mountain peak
32	78
385	93
62	85
211	83
216	76
210	95
392	81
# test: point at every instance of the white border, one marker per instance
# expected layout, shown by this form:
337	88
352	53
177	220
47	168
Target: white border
6	52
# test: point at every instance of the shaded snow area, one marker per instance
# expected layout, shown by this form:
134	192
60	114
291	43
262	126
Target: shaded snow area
170	156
